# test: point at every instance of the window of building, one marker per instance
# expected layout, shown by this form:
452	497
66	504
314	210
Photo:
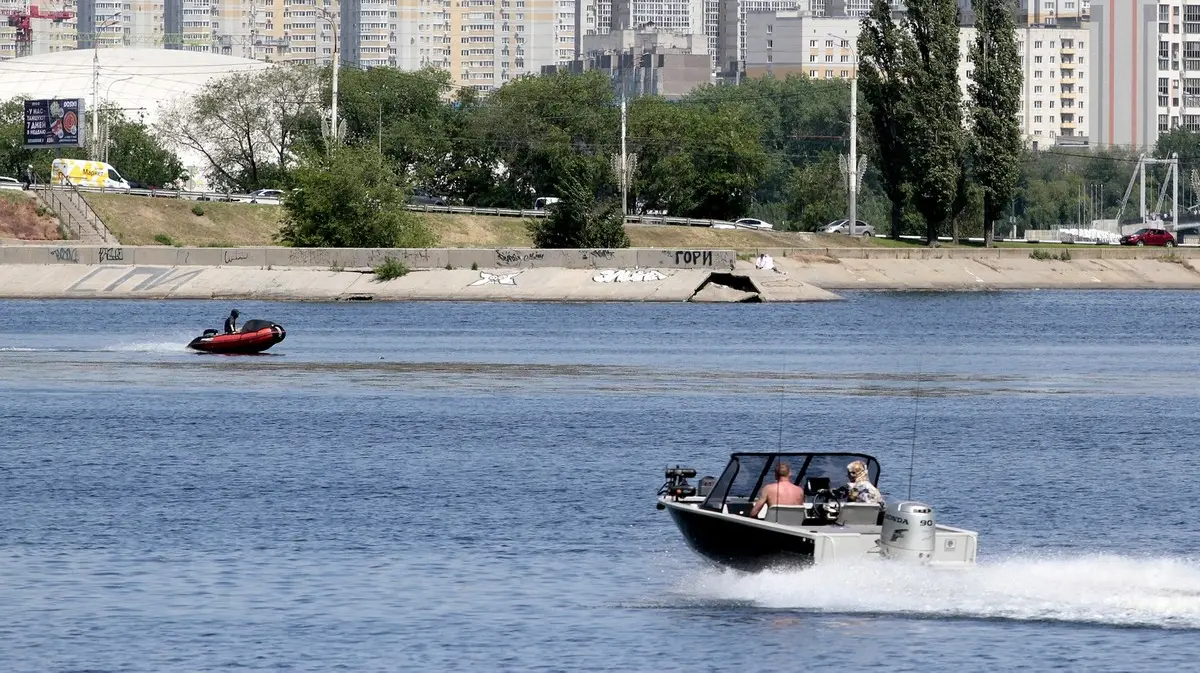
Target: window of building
1037	103
1037	74
770	44
812	58
1037	44
1037	59
812	74
828	43
1037	88
829	58
845	74
812	43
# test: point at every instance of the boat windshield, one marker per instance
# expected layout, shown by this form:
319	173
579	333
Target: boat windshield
747	473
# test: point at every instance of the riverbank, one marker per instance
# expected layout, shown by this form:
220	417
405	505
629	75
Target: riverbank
644	274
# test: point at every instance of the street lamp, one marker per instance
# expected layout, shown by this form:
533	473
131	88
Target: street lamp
333	126
96	82
852	168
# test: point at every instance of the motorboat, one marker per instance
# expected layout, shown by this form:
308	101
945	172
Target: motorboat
255	336
713	516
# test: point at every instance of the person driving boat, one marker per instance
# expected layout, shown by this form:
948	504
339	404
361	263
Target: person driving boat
860	487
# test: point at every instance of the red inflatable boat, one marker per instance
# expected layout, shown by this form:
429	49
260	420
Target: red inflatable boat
255	336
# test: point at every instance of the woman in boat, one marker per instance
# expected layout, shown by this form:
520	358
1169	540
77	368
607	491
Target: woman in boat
860	487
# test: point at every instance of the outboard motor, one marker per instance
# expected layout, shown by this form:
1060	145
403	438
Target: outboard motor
909	531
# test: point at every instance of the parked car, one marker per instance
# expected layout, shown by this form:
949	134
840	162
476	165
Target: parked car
11	183
753	223
544	202
267	196
843	227
1145	236
421	197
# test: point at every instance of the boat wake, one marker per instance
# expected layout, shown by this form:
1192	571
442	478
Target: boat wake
149	347
1108	590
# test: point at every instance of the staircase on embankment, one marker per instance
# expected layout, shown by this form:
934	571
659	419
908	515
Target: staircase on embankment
78	219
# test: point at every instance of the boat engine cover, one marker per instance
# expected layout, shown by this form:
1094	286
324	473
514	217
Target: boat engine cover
909	532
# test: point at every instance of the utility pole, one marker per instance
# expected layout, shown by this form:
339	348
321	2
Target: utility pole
335	136
1175	190
853	168
624	155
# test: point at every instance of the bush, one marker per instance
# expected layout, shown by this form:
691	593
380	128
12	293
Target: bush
579	220
163	239
391	269
197	211
1064	256
350	199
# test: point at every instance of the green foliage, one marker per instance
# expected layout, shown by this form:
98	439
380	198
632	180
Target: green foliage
1042	254
934	98
138	153
164	239
817	194
248	126
995	92
350	198
198	211
884	46
533	130
390	269
579	220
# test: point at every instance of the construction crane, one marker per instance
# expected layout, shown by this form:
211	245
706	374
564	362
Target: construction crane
23	22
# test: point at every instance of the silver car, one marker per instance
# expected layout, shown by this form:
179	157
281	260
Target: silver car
843	227
754	223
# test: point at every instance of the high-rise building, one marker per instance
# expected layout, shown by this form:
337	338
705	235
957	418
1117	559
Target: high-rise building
1054	98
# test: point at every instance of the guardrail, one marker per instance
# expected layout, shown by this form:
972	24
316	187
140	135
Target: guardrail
454	210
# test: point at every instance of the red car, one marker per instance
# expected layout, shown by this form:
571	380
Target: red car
1149	237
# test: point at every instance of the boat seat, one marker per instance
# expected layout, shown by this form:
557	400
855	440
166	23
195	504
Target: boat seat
788	515
859	514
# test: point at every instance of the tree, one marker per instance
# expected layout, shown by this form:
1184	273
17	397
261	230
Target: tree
246	125
817	194
579	219
697	160
350	198
533	130
404	115
883	78
995	91
930	65
137	153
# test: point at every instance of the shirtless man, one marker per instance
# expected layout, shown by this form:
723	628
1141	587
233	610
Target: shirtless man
782	492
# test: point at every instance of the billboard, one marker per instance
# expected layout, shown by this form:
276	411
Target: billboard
55	122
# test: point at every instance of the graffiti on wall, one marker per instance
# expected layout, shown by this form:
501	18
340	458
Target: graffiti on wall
111	255
65	254
628	276
516	257
486	278
148	279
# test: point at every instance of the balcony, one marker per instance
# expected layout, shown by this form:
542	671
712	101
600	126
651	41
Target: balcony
1068	94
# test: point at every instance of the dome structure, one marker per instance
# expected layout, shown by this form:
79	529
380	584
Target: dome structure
139	81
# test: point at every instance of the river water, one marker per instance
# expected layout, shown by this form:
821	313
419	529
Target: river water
445	486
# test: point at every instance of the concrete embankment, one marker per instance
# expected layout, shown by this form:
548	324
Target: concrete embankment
52	271
336	274
995	269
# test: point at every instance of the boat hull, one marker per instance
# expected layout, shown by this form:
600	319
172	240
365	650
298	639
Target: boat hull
239	343
744	546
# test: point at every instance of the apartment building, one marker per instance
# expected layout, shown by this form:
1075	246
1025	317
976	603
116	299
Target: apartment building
47	35
1055	62
680	17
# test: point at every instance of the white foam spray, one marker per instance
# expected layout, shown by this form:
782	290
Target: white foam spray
1114	590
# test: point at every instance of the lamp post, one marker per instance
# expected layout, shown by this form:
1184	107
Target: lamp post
96	84
852	168
333	118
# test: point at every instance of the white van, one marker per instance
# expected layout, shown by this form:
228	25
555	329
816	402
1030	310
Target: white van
543	202
82	173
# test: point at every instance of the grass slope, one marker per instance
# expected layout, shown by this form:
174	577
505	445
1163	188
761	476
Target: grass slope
137	220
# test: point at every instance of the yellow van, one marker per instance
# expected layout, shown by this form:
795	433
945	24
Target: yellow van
83	173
